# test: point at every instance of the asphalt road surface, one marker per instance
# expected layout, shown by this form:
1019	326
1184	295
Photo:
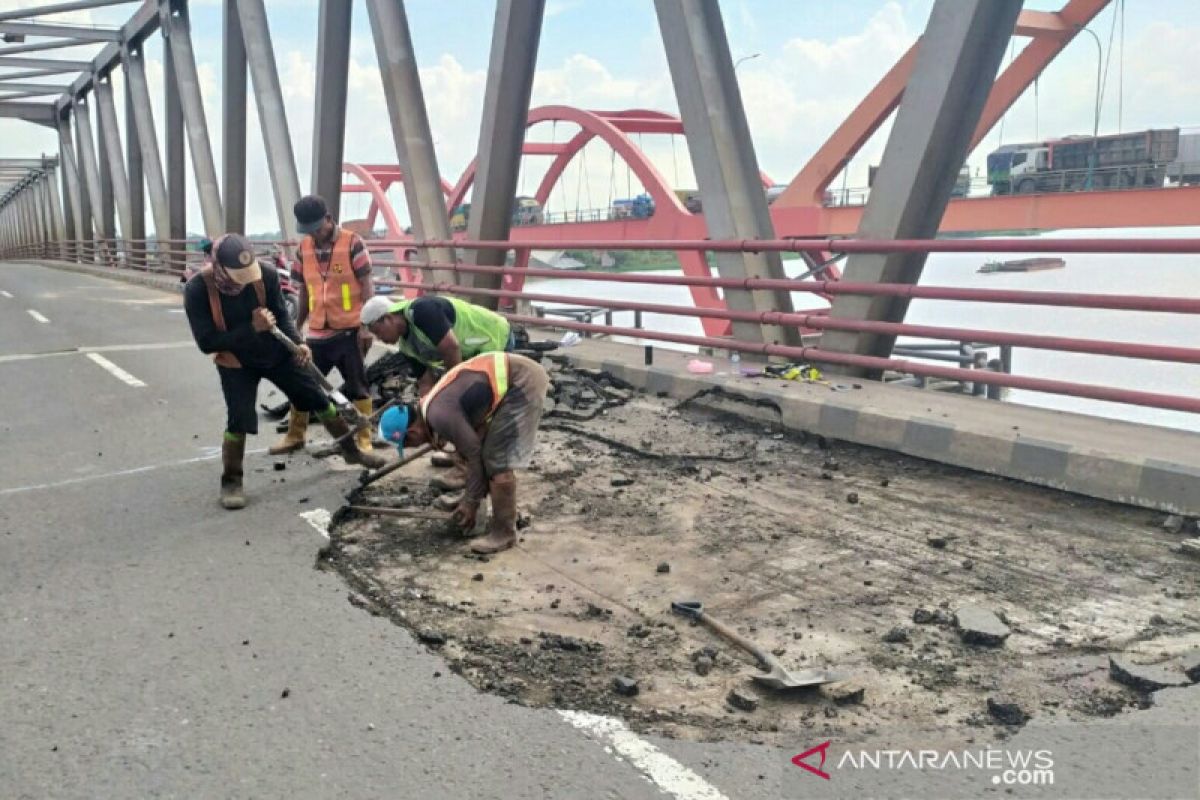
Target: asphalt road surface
154	645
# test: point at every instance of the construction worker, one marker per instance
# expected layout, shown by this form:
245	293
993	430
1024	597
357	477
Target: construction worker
489	407
333	272
232	306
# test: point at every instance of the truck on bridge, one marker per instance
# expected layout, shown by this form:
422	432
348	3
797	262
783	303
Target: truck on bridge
1078	163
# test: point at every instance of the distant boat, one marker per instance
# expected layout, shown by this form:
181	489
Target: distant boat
1024	265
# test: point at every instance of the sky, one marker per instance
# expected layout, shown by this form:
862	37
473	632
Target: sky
807	64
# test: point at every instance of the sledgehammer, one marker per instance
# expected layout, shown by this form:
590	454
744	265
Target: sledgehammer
345	407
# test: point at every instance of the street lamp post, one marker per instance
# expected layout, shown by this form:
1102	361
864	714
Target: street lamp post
1096	116
750	57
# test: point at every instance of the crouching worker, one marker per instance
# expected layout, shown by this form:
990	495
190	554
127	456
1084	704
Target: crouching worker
489	406
232	306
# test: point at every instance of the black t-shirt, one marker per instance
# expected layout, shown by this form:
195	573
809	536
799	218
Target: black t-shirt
256	350
435	317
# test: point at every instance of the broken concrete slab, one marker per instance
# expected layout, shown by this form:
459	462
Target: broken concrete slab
1006	712
742	700
846	693
897	635
978	625
1145	677
1173	523
923	616
625	686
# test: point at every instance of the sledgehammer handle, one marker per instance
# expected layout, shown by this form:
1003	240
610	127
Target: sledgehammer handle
294	349
395	465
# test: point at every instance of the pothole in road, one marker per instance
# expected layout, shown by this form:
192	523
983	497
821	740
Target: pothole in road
758	524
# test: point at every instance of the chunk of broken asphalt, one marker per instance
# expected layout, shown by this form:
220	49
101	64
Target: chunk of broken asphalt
977	625
923	616
1190	664
742	700
1006	712
432	638
625	686
936	542
663	568
621	480
703	665
847	693
279	466
1173	523
896	635
1144	677
852	498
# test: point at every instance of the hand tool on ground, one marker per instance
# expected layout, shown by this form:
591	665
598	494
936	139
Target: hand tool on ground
414	513
776	677
368	478
332	448
345	407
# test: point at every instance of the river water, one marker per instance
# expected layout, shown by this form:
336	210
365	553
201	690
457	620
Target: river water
1172	276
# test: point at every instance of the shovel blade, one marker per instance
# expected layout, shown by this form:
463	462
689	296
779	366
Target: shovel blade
783	679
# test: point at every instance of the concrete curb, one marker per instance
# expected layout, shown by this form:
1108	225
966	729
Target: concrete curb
166	283
1129	463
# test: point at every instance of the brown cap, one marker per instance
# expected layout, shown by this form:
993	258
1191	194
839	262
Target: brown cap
234	253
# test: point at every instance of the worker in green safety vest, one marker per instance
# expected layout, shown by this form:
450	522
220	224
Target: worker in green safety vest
436	333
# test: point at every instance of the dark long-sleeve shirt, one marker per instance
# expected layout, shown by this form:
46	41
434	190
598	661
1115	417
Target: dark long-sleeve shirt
258	350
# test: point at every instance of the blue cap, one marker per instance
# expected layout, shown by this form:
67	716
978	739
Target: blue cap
393	425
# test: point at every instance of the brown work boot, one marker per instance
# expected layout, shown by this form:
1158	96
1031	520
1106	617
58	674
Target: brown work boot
297	431
233	451
502	527
338	428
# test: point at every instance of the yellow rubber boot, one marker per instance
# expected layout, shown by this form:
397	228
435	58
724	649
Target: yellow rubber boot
296	434
363	437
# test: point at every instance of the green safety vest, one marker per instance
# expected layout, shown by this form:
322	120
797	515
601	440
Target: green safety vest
478	330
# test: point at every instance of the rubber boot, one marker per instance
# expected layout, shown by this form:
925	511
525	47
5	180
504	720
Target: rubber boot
502	527
338	428
233	451
363	437
297	431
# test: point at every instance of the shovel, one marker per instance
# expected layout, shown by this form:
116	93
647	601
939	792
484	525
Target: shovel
776	676
347	409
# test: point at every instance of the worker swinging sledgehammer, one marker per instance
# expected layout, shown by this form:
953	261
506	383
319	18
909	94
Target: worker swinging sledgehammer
232	307
489	407
334	273
436	334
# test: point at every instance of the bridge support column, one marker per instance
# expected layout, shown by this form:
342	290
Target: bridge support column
136	173
272	114
55	209
233	120
143	132
108	207
72	212
329	112
515	35
956	65
410	130
89	172
106	111
730	184
177	27
175	163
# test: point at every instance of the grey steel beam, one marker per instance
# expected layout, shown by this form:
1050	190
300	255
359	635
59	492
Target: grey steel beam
329	113
86	149
723	158
133	161
60	64
108	209
81	33
410	129
176	26
37	47
86	198
272	112
107	112
175	163
41	113
57	220
147	141
56	8
40	72
22	95
233	120
515	34
960	53
71	187
144	22
41	88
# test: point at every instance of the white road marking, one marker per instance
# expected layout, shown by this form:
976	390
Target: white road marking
5	294
111	348
663	771
36	315
118	474
319	518
114	370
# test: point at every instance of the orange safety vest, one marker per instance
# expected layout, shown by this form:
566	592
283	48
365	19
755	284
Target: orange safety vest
335	298
226	358
494	365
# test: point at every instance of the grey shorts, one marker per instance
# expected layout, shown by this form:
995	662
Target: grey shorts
512	433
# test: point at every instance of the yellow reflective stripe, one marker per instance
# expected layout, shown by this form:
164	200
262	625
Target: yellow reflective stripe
312	299
345	297
500	360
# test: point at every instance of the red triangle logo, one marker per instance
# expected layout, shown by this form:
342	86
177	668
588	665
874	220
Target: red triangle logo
799	760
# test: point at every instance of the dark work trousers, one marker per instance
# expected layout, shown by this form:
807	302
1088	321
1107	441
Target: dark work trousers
240	386
341	352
